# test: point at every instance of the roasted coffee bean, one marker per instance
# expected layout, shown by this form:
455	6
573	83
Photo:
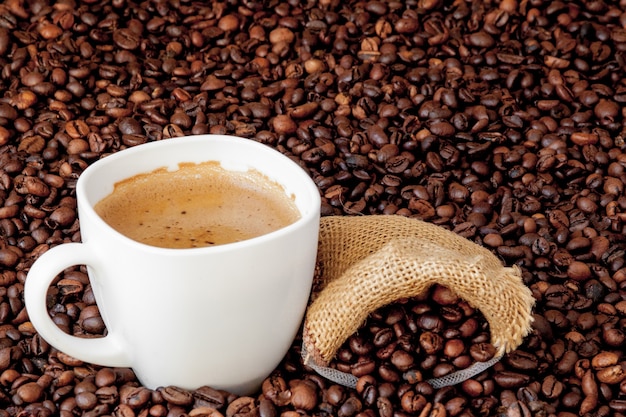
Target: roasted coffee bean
276	390
303	396
242	406
176	396
209	397
509	379
126	39
30	392
412	402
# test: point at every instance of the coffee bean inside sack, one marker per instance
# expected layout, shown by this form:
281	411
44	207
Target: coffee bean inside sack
500	121
416	340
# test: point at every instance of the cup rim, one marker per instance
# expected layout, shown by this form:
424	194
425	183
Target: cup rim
86	206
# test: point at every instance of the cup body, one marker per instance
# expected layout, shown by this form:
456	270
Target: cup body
220	316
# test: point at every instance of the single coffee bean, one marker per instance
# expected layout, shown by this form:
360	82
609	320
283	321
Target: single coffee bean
126	39
303	396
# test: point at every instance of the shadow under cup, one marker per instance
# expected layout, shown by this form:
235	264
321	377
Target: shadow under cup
221	316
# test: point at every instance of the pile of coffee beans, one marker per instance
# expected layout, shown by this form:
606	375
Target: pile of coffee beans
500	120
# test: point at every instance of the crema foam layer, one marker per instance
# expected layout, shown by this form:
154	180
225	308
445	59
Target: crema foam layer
197	205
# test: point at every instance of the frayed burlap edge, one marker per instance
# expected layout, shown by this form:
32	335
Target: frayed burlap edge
368	262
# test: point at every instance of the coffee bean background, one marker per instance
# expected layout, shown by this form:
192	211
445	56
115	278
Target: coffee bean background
500	120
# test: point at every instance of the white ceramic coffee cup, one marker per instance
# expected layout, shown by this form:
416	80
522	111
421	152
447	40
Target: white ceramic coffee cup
220	316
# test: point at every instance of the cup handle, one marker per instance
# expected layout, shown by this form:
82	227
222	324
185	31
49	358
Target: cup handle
107	350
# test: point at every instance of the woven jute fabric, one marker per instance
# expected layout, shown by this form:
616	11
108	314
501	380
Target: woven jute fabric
367	262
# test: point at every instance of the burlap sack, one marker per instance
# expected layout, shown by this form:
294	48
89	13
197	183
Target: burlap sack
367	262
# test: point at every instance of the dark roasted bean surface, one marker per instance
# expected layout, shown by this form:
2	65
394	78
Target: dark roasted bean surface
500	120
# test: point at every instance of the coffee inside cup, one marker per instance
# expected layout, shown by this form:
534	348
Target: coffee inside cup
197	205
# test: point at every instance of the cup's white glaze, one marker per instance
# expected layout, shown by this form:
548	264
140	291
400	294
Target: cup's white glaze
220	316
